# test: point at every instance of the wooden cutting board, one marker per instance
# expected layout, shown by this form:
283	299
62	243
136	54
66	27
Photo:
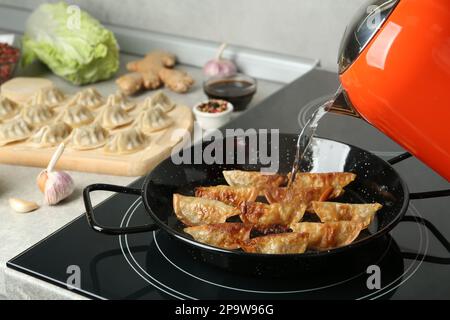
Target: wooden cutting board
135	164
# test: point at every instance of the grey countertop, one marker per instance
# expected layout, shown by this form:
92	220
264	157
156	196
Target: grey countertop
20	231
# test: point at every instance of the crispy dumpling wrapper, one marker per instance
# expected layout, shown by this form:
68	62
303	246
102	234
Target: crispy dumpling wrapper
282	243
233	196
269	214
193	211
336	180
223	235
334	211
254	179
328	235
297	195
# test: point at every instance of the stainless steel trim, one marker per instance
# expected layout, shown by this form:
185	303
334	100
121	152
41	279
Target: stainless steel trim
365	24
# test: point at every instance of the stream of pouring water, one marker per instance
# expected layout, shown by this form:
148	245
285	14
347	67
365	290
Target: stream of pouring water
307	134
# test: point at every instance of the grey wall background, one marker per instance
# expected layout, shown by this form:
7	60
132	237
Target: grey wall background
306	28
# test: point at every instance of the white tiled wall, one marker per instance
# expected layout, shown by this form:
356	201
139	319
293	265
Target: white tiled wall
306	28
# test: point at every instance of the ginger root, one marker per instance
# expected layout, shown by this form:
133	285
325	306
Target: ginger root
151	72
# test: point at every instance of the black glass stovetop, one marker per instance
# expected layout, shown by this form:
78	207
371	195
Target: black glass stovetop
415	263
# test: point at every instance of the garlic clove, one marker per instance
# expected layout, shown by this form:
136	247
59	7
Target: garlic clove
59	185
41	180
23	206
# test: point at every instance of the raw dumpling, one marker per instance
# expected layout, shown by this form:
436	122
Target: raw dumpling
282	243
87	137
159	100
267	214
50	135
37	115
8	108
233	196
49	96
334	211
194	211
126	141
120	99
336	180
151	120
89	98
76	115
255	179
325	236
112	116
222	235
14	130
297	195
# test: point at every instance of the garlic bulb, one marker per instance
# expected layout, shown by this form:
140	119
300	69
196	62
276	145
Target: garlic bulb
56	185
219	66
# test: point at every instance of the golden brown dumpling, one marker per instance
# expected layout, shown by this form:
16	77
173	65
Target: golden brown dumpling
336	180
49	96
334	211
50	135
8	108
37	115
126	141
152	120
223	235
91	136
75	115
89	98
233	196
255	179
282	243
112	116
328	235
266	214
296	195
14	130
194	211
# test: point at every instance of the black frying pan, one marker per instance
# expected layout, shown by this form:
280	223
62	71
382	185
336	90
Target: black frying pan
376	181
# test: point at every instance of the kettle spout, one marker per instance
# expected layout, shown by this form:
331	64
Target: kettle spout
342	105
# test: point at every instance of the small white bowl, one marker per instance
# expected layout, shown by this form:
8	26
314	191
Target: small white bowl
208	120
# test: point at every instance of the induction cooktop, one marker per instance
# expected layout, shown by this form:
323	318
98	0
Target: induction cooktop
414	262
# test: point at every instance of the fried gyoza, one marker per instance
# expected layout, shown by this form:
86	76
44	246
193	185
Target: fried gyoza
281	243
277	213
255	179
222	235
336	180
194	211
325	236
295	195
334	211
233	196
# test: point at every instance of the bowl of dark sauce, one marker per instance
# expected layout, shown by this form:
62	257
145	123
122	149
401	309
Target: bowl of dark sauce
237	89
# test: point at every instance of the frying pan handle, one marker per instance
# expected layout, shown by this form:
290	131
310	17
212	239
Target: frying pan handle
90	210
439	236
419	195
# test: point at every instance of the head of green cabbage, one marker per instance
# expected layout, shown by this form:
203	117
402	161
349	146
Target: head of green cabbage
71	43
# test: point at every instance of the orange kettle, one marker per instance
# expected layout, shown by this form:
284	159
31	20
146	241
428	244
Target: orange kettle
394	66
